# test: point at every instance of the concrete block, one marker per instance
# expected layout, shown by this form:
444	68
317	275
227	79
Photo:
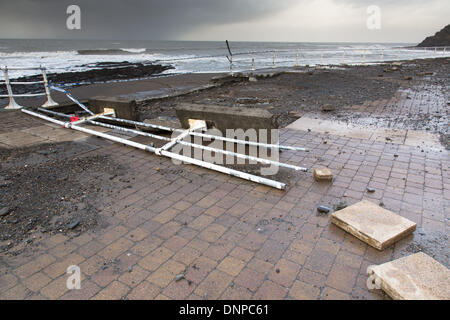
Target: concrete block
223	118
323	174
415	277
124	107
372	224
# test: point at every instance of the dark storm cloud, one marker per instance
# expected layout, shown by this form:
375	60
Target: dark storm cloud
181	19
135	19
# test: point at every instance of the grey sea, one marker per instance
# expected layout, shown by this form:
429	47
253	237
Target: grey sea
195	56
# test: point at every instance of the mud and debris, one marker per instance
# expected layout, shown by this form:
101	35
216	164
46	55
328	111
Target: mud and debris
51	188
433	243
357	95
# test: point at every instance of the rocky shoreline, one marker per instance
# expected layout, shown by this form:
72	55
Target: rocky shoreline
98	72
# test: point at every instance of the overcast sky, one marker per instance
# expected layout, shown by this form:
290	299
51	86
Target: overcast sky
237	20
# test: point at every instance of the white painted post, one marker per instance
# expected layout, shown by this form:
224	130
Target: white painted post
12	103
50	102
435	50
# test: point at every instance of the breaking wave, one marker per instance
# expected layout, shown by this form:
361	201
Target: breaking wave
121	51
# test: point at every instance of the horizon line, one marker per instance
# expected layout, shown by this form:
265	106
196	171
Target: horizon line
235	41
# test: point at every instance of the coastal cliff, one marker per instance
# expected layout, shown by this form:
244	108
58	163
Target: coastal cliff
441	38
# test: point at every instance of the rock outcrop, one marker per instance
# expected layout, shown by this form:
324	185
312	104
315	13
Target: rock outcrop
441	38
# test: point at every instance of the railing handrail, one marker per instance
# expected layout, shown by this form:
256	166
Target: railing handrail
20	68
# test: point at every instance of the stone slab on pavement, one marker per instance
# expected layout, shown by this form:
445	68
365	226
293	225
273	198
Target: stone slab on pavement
415	277
373	224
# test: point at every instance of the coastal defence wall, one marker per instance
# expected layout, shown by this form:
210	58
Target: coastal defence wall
224	118
124	108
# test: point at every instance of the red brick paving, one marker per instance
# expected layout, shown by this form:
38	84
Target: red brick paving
234	239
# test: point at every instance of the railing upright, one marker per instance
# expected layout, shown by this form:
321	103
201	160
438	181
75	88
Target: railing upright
12	103
49	102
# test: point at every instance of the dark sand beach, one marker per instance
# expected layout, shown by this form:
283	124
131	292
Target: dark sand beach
292	94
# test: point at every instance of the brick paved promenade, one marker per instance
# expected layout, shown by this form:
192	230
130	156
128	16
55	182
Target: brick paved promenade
235	239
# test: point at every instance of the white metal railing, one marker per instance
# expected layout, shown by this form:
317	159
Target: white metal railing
295	57
329	57
11	95
165	149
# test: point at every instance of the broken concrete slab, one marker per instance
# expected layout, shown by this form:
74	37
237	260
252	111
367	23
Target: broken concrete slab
415	277
223	118
373	224
323	174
